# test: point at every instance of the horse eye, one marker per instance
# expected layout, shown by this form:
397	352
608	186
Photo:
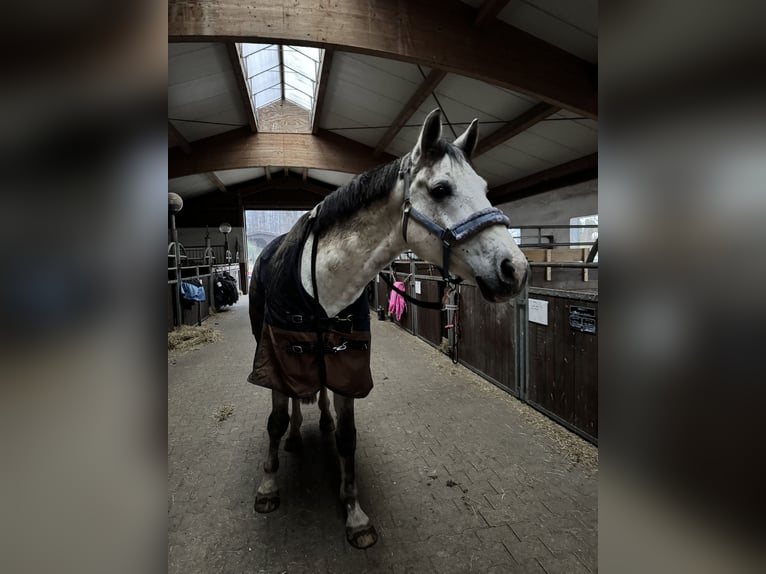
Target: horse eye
440	190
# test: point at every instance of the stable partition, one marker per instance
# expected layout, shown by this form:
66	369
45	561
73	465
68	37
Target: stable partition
563	357
542	347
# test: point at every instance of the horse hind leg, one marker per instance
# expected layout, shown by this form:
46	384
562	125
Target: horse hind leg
326	423
359	531
267	495
294	441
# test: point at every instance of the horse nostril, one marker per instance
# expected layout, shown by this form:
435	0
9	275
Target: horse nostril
506	267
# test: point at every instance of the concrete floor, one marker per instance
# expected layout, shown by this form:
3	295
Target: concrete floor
456	475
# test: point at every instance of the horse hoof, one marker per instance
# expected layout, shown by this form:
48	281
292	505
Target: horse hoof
266	502
293	443
362	537
326	424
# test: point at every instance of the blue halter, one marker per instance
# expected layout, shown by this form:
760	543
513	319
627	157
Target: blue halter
466	228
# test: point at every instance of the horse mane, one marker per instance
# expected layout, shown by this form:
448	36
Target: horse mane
364	190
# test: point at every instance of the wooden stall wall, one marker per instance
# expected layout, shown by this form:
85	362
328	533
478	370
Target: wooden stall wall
486	342
563	356
430	322
563	366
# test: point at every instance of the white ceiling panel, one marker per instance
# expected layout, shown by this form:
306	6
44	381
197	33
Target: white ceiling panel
367	91
580	137
369	137
494	172
234	176
571	25
513	163
465	99
178	48
203	91
337	178
191	185
193	131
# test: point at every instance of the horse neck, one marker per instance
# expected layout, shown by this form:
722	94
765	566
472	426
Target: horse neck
350	254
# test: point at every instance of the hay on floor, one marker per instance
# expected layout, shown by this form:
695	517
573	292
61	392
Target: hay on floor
188	337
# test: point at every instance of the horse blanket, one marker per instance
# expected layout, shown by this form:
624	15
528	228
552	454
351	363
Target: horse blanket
300	349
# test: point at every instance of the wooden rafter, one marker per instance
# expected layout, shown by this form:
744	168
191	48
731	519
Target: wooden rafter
514	127
241	149
215	180
284	183
415	101
244	92
488	11
499	54
569	173
282	70
321	90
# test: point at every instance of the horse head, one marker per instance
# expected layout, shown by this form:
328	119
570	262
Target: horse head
447	218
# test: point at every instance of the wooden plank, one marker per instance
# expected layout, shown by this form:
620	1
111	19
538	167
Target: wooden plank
244	92
216	181
424	90
575	171
515	127
497	53
324	74
241	149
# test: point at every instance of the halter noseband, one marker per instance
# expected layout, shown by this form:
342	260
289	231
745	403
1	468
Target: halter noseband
466	228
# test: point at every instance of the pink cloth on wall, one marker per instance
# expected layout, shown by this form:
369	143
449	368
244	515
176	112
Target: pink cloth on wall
396	303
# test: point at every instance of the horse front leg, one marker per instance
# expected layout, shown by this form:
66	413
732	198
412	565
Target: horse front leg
267	495
359	532
326	423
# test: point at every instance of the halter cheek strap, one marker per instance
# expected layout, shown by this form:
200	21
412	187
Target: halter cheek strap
463	230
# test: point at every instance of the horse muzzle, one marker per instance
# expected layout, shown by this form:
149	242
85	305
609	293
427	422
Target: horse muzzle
508	281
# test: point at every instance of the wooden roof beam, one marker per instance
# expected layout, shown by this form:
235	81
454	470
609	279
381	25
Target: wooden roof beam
488	11
498	53
569	173
215	180
239	149
244	92
514	127
324	74
484	14
415	101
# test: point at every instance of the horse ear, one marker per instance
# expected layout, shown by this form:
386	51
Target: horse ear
429	135
468	139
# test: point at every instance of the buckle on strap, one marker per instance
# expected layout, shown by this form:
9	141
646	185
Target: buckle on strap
297	319
297	349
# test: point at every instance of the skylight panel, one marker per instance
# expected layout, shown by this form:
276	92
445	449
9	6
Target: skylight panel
273	72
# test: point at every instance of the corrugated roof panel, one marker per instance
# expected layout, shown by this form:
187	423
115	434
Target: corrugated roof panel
234	176
203	91
369	136
578	137
572	26
190	185
337	178
367	91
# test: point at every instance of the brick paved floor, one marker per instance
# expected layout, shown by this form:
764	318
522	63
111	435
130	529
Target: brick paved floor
457	475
